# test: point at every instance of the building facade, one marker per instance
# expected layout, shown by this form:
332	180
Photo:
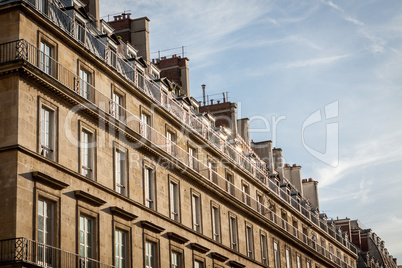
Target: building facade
104	165
371	248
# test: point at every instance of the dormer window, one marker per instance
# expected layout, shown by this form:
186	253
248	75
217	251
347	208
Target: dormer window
42	5
79	29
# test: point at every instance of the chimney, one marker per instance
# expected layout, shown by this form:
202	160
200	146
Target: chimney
243	128
293	174
176	69
264	150
310	191
140	37
277	157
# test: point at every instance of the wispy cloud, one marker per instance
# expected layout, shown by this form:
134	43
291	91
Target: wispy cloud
314	62
384	149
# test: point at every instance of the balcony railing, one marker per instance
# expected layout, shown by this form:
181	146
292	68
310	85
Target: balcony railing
22	250
88	36
22	50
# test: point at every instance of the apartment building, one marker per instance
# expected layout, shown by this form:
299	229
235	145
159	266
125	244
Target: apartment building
104	163
371	248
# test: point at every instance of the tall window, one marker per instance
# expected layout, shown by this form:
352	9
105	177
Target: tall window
85	84
288	258
45	231
149	188
308	264
298	261
198	264
117	106
170	137
150	254
230	183
120	244
192	158
246	194
47	133
46	55
276	256
174	201
86	238
41	5
87	154
80	31
212	171
145	124
264	249
260	203
121	168
233	233
176	260
249	241
216	224
196	206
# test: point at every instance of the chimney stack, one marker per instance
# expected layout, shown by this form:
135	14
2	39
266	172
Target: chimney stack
310	191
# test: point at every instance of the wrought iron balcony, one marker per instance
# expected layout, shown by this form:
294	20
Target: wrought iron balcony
26	251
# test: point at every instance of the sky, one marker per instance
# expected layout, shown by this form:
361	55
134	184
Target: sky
321	79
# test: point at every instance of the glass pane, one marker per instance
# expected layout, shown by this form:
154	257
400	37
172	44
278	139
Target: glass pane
81	237
40	236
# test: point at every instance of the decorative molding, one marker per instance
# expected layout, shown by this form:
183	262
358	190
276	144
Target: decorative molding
236	264
177	238
88	198
219	257
152	227
49	181
122	213
199	248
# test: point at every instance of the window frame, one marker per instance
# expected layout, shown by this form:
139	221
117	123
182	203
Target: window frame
192	158
118	226
233	232
94	244
216	222
89	85
147	166
118	111
124	181
196	213
249	240
230	185
264	247
43	38
288	257
170	142
298	261
83	127
245	188
155	242
144	131
174	201
180	257
53	130
277	255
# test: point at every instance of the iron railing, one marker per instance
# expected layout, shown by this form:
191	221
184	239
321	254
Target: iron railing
22	50
23	250
89	37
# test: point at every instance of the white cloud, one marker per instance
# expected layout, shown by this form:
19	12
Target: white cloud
384	149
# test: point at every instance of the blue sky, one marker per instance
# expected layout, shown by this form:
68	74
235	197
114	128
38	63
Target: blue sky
285	62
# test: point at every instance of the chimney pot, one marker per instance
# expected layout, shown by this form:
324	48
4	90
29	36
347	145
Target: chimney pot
218	101
294	165
212	102
310	179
